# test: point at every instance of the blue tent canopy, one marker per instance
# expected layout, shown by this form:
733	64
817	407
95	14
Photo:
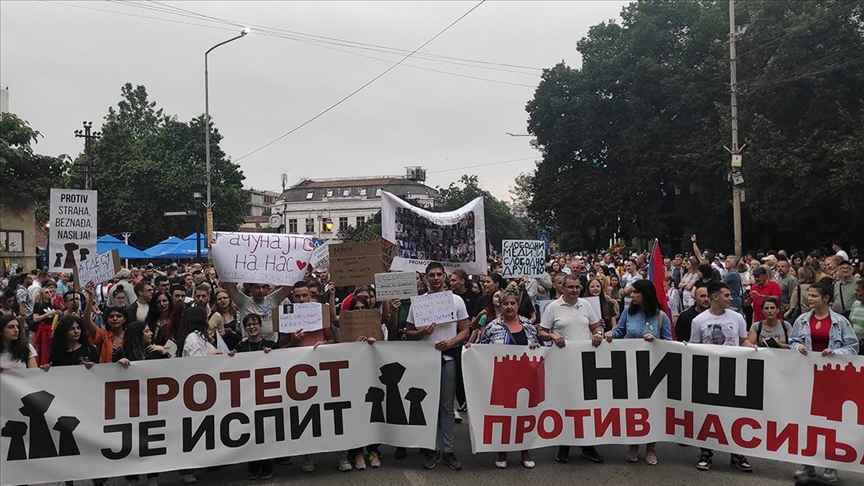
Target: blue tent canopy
187	248
108	243
163	246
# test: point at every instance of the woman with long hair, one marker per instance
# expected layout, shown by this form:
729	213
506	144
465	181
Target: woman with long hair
109	341
821	330
673	297
608	307
798	301
511	329
688	282
642	319
228	310
16	352
44	310
159	311
194	340
615	290
70	345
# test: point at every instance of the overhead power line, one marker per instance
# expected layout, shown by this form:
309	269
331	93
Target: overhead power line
361	88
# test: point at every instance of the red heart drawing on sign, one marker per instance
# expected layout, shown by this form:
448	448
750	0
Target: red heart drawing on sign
301	265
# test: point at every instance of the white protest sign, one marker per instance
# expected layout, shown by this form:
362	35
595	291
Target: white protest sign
595	303
523	258
261	257
321	256
98	269
72	228
395	285
437	308
301	317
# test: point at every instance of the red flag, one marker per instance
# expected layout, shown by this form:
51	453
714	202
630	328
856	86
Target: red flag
657	275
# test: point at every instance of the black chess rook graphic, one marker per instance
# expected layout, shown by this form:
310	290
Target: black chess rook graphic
59	261
16	431
35	406
82	254
65	425
69	262
375	396
391	375
415	412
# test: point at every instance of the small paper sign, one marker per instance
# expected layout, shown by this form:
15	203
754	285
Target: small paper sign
365	322
595	303
295	317
395	285
97	269
437	308
355	263
321	257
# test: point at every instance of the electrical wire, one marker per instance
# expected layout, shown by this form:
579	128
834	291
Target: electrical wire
361	88
758	87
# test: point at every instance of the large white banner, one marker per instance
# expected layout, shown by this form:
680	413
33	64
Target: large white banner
769	403
185	413
72	230
456	239
270	258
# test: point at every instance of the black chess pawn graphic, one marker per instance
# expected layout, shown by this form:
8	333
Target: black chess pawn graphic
59	261
82	254
41	441
415	412
65	425
70	255
391	375
375	396
16	431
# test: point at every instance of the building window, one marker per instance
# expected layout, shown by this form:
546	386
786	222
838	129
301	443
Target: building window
346	192
329	192
343	223
361	220
292	226
378	192
362	191
12	241
310	195
310	225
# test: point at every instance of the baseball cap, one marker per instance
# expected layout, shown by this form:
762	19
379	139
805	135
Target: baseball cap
759	271
769	257
844	262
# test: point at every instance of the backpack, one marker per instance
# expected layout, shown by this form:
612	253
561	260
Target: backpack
782	324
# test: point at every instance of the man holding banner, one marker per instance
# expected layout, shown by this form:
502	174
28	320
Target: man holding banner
447	336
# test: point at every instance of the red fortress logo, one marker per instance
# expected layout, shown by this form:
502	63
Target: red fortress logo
833	386
512	374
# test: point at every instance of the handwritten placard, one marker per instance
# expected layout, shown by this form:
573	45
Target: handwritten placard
356	323
321	257
523	258
355	263
305	317
97	269
437	308
271	258
395	285
388	248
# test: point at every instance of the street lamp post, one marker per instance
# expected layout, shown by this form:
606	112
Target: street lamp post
209	204
197	197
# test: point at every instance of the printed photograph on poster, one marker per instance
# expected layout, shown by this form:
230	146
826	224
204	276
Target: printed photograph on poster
72	230
456	239
305	317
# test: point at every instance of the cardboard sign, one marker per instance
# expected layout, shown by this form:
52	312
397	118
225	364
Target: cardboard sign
272	258
523	258
355	263
356	323
321	257
73	228
295	317
395	285
437	308
98	269
388	248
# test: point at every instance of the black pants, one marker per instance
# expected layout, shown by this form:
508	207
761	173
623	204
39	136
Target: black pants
460	385
370	448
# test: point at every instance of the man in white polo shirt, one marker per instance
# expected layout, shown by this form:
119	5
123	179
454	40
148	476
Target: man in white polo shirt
571	319
448	337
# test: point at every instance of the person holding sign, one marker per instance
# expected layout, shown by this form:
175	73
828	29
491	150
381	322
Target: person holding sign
511	328
447	336
261	301
570	319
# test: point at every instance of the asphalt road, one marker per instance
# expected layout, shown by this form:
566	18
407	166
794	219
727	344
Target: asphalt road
676	467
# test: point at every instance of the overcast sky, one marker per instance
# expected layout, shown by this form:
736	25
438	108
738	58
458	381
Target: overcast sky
64	64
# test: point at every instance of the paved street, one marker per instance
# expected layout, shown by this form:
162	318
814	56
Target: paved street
676	468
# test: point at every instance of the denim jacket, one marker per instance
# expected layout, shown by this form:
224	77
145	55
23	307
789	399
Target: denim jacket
841	336
636	326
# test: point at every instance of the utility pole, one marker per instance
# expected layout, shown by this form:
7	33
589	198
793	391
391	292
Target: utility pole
88	155
284	203
737	179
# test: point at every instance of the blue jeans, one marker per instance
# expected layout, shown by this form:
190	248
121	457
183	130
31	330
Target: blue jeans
446	419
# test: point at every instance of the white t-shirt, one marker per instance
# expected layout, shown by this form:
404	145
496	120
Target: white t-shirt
196	346
572	322
726	330
444	330
246	305
7	362
141	313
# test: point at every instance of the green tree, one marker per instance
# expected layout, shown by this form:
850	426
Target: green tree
148	163
501	223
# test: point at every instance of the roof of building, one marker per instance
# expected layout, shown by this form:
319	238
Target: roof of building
356	188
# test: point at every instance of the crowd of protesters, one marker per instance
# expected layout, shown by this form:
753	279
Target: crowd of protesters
804	302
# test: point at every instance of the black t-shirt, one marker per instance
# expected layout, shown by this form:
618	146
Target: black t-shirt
519	337
79	356
470	298
246	346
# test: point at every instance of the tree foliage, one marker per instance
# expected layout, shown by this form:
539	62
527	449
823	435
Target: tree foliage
501	223
632	141
148	163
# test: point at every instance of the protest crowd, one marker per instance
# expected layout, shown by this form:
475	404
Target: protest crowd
804	302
